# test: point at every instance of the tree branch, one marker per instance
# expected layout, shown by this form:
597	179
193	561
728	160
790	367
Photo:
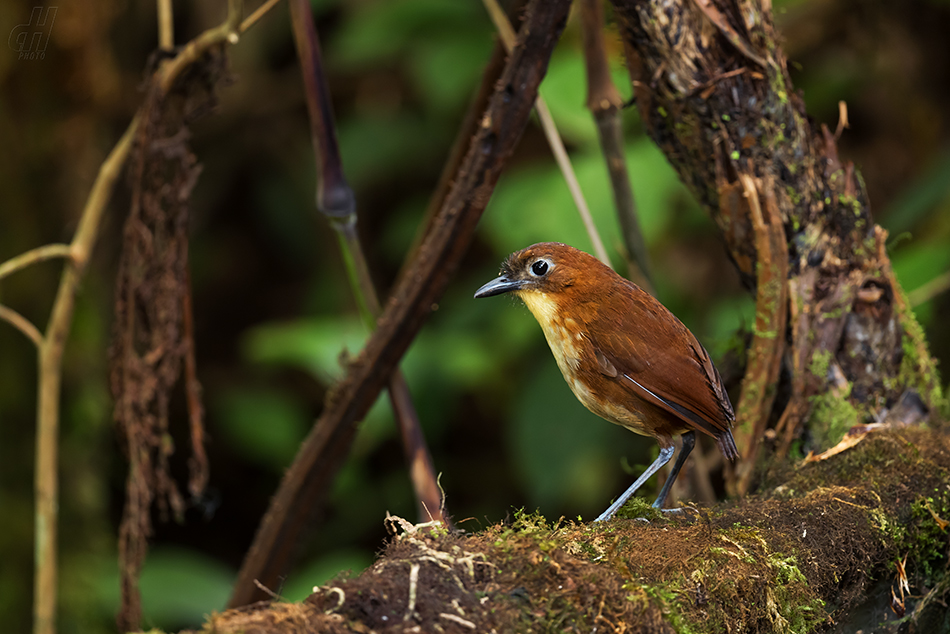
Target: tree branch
306	483
33	256
22	324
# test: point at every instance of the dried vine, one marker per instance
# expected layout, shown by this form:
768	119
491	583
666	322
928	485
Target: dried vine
152	341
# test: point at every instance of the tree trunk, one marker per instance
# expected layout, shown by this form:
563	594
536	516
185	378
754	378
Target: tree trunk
712	87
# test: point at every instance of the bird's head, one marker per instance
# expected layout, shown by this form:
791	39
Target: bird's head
544	269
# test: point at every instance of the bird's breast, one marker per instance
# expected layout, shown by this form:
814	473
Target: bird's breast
564	335
575	357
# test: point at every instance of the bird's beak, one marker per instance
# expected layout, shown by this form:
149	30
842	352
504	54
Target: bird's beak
498	286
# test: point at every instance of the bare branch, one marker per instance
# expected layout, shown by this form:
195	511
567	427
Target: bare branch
33	256
22	324
166	25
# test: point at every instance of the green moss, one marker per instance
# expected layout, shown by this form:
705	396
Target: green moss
820	362
831	417
638	507
928	541
917	372
669	596
851	201
790	612
794	197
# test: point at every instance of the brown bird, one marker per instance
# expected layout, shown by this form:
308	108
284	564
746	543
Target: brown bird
625	356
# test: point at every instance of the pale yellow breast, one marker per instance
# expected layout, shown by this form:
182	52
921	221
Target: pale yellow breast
567	343
565	346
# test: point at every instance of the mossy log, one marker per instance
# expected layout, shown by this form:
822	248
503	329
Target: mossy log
802	556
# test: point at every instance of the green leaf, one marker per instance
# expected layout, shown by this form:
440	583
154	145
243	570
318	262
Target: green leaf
446	67
534	204
267	426
381	31
313	345
179	587
928	191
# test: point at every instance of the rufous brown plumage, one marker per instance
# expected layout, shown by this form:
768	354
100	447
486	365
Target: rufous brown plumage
624	355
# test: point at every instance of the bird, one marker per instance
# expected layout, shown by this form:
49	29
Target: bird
625	356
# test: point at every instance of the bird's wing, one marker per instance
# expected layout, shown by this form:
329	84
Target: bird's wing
652	354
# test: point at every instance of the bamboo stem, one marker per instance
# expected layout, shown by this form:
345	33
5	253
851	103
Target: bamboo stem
50	347
335	200
306	483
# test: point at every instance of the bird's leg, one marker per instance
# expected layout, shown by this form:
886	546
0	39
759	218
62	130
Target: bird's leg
665	454
689	441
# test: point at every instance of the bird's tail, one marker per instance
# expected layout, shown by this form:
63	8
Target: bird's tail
727	444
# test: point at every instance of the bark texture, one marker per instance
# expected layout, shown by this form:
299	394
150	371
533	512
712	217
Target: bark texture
713	89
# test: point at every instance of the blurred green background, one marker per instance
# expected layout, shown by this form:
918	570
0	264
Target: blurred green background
272	308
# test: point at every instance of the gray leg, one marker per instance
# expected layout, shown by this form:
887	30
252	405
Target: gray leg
689	441
665	454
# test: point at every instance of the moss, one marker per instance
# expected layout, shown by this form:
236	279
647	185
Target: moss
639	508
850	201
928	539
820	362
668	596
786	594
795	198
831	417
917	369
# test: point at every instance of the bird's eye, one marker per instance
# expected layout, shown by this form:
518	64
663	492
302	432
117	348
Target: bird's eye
539	268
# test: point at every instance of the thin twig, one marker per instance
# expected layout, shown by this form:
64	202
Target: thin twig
929	290
22	324
33	256
198	464
605	103
191	52
166	25
257	15
507	35
50	376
